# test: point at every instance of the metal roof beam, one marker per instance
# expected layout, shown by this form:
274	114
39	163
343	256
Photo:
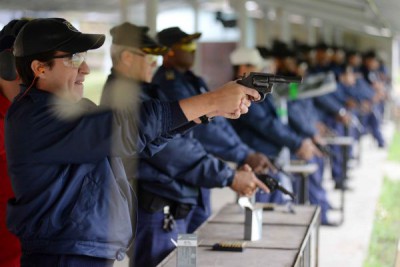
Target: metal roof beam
355	23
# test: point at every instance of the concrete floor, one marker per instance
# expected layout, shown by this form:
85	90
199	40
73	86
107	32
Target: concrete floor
347	245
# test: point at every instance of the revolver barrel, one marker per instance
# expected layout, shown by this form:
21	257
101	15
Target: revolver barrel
263	82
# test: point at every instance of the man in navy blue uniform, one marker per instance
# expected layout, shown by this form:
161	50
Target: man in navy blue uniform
176	81
168	181
372	74
370	120
332	110
262	129
73	204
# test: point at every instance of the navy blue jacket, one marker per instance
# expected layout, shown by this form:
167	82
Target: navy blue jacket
366	92
218	137
182	167
71	192
327	104
263	131
330	104
302	117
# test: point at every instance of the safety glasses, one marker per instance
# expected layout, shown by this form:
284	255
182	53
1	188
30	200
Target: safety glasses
74	60
150	59
187	47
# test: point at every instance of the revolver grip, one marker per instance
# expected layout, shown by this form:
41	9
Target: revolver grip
270	182
274	184
262	97
249	84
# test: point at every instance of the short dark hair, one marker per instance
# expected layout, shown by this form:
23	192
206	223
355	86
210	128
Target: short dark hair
23	65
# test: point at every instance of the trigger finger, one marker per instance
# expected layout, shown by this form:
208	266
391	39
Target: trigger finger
246	101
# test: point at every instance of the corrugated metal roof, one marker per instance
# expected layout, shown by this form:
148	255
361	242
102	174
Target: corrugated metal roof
377	16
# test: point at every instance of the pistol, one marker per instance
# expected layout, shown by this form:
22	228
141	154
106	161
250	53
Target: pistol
324	149
273	184
263	82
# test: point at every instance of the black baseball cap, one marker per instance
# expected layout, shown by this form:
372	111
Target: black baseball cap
175	35
321	46
350	53
370	54
128	34
264	52
51	34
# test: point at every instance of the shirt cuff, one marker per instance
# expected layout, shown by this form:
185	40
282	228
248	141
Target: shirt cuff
229	180
177	116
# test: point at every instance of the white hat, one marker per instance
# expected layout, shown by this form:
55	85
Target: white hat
242	56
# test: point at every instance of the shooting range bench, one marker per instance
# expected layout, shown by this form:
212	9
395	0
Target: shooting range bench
288	239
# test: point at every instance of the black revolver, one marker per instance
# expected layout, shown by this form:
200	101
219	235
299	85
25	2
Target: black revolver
324	149
273	184
263	82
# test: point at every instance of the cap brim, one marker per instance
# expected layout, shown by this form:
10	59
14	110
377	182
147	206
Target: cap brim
83	42
155	50
191	37
149	46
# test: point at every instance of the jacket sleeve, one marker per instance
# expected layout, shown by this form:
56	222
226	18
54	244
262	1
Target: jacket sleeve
159	118
366	91
340	94
89	137
261	120
299	119
186	160
155	146
220	139
328	103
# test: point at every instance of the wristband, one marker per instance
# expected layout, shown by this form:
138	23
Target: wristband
204	119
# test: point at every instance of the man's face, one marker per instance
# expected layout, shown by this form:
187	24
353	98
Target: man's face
355	60
348	78
372	63
323	57
245	69
139	66
290	65
338	57
146	66
65	78
184	54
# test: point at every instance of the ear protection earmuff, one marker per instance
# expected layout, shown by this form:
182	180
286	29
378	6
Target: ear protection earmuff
7	60
7	66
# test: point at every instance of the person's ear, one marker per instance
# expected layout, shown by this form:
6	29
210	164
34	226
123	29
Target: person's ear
38	69
126	58
170	53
